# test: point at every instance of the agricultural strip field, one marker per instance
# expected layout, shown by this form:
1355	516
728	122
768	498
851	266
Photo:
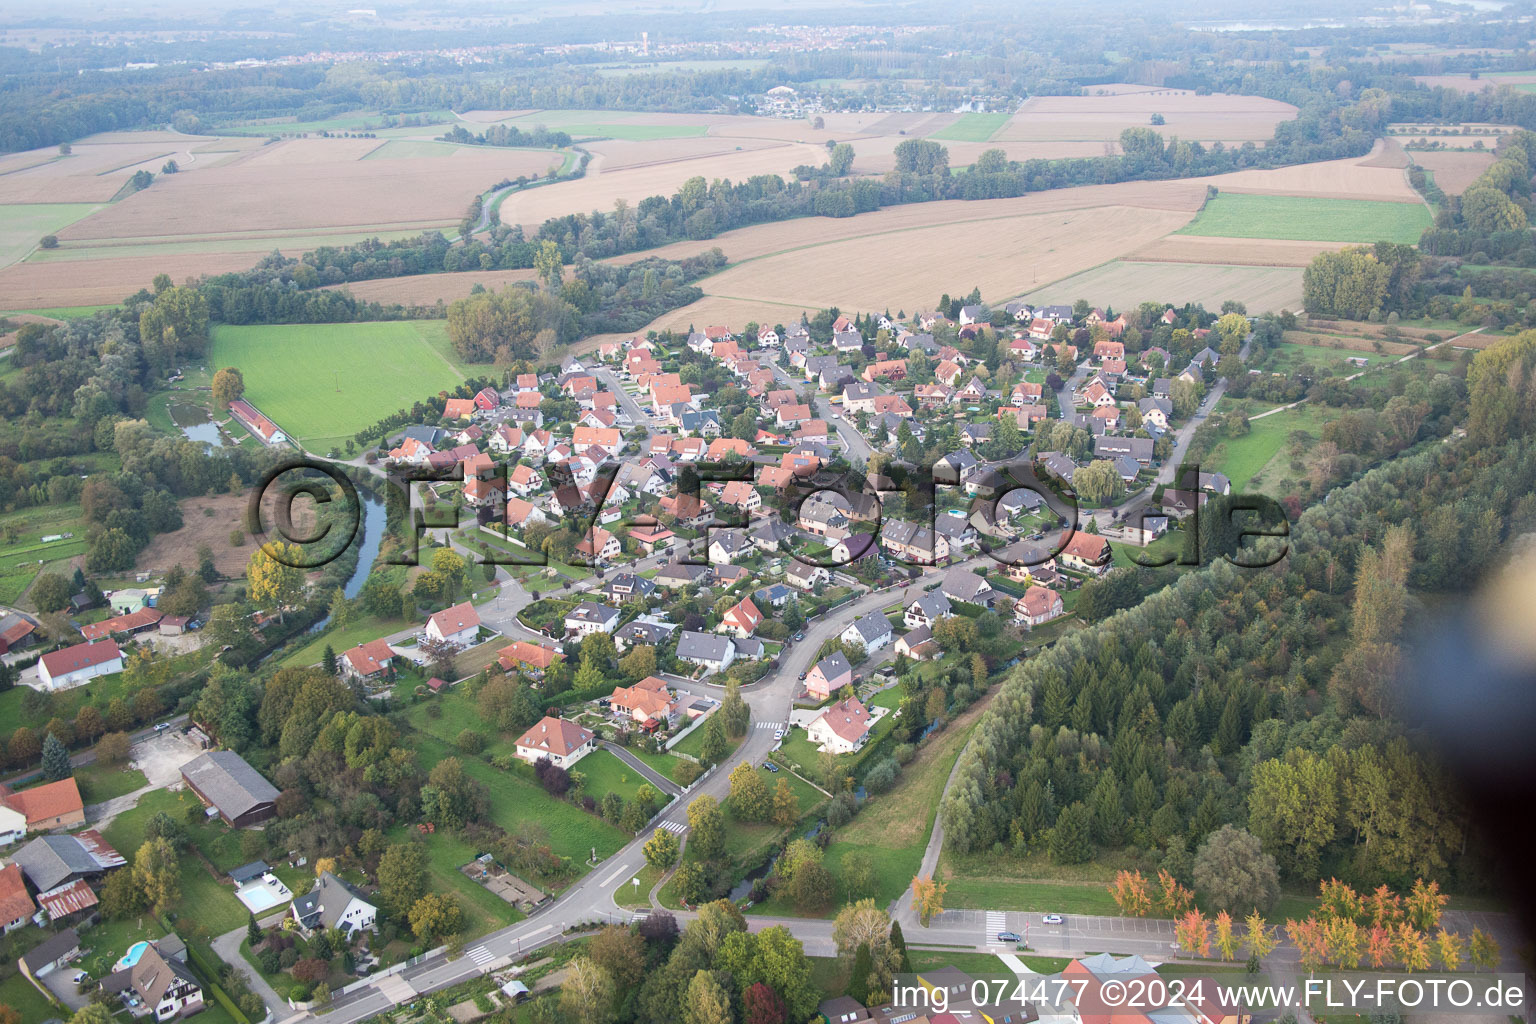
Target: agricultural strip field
23	226
1378	175
1454	171
1295	217
1216	117
323	383
876	271
1124	283
972	128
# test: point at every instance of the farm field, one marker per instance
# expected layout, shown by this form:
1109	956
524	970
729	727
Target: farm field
22	546
613	154
1312	219
23	226
1244	252
1454	171
1124	283
972	128
887	270
44	283
1353	178
97	167
293	372
1217	117
199	527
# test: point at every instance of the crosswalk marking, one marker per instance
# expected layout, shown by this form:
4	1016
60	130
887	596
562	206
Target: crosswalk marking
770	725
674	826
997	921
481	956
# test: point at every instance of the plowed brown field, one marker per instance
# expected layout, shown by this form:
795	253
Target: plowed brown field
1454	171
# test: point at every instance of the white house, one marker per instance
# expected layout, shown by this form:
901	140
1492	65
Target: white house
79	664
871	630
333	903
458	625
163	984
591	617
563	743
842	728
1038	606
707	650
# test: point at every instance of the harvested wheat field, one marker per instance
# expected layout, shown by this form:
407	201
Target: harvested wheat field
615	154
311	183
98	282
1124	283
1352	178
1386	153
750	243
598	191
1454	171
94	172
426	289
1466	83
1217	117
876	271
1248	252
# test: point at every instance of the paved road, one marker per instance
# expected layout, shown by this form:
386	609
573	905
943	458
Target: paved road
855	447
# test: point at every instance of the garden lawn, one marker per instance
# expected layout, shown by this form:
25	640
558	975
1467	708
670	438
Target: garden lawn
1233	215
322	383
515	800
977	965
484	911
20	995
972	128
664	764
99	782
361	629
605	773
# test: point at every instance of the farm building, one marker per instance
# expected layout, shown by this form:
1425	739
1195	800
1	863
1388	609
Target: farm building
73	666
231	788
41	808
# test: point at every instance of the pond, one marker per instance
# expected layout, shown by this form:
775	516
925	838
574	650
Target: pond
194	421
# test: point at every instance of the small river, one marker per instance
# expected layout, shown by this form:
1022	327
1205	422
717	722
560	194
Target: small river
372	528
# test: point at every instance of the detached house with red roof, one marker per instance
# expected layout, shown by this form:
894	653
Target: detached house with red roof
1086	552
529	658
42	808
74	666
842	728
458	408
563	743
369	661
487	399
742	619
457	625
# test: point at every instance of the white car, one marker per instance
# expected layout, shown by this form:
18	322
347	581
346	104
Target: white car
79	977
1052	919
778	734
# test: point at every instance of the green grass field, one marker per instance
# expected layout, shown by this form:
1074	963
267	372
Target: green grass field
1240	458
23	225
605	773
972	128
1231	215
19	557
293	372
399	149
62	312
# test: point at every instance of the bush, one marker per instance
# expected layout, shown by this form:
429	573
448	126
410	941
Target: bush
904	753
687	773
50	242
299	993
841	810
470	742
882	776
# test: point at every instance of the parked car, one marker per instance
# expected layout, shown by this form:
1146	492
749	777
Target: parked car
1008	937
802	675
1053	919
778	734
799	636
79	977
771	766
162	726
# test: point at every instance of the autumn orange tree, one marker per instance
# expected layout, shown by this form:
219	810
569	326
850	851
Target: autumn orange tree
1129	890
1193	933
1173	897
927	898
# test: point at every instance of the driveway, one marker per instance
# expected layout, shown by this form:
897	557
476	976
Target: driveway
160	757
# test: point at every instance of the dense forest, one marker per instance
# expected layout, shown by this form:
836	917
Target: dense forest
1264	698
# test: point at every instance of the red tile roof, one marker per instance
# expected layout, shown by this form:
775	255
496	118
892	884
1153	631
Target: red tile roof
45	802
369	658
460	617
140	619
15	903
87	655
555	736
